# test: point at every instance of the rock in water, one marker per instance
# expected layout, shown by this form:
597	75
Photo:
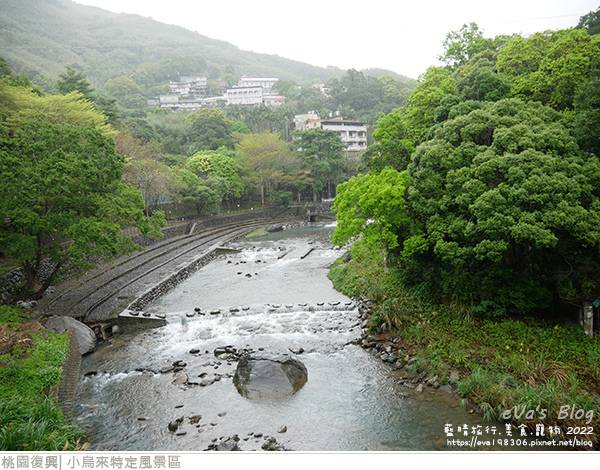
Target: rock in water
86	339
269	377
274	228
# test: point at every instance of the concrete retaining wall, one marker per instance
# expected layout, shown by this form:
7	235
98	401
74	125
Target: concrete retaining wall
67	389
11	280
169	283
173	280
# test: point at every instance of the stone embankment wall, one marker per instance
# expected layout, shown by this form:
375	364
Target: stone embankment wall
67	388
8	284
169	283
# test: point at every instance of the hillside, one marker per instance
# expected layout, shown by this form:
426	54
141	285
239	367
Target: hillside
39	38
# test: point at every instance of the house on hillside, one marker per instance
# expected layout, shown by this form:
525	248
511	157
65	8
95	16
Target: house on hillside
191	93
265	83
251	95
190	87
253	92
352	133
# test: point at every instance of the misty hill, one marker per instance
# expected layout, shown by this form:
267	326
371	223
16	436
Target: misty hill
39	38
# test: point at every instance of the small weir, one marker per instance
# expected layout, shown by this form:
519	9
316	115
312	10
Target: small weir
171	387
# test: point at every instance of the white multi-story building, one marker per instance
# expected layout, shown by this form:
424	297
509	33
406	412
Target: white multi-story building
190	93
253	95
245	95
352	133
191	87
265	83
169	101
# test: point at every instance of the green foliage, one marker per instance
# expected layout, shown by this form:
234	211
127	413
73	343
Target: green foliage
63	182
364	277
261	119
9	315
73	80
203	193
209	129
419	113
365	95
591	22
18	104
461	46
282	198
322	152
371	208
5	69
31	426
220	163
392	147
586	123
508	205
549	67
30	373
267	161
480	81
29	420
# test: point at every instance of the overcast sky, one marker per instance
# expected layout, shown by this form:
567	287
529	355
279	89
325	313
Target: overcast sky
402	36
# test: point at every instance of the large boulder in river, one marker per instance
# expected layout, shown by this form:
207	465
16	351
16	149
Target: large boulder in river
274	228
86	339
269	377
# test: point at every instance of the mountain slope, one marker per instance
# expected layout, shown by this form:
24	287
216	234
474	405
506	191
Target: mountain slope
42	37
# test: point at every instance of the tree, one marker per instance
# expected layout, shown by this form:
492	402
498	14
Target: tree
507	211
391	147
356	91
63	199
394	92
4	67
209	129
200	192
267	160
591	22
419	112
71	81
461	46
586	125
479	80
322	152
549	67
174	133
18	104
221	163
154	179
371	208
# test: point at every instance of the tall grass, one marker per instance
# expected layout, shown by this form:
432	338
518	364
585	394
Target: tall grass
29	419
35	425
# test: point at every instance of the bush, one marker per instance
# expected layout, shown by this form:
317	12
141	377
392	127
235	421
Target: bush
29	419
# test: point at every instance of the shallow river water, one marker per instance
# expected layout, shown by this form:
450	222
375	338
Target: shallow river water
350	402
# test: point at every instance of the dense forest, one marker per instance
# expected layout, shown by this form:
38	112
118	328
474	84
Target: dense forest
483	189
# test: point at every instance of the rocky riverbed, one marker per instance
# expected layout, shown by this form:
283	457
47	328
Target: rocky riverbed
174	388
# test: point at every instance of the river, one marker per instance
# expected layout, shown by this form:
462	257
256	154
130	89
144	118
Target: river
274	297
